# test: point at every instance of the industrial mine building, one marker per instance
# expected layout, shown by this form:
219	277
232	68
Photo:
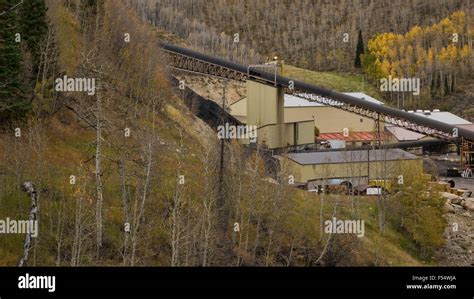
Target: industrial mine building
280	130
290	121
354	166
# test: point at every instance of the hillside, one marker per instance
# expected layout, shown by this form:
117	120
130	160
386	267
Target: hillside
212	88
429	41
129	176
342	82
307	34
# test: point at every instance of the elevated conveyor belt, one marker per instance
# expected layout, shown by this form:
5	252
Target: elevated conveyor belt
193	61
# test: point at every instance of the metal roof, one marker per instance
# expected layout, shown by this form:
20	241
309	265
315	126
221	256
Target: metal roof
403	134
443	116
363	96
449	118
354	136
295	101
312	158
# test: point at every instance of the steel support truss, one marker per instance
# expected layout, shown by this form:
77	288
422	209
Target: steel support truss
376	116
195	65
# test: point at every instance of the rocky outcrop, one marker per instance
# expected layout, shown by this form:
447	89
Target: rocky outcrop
448	207
454	201
468	204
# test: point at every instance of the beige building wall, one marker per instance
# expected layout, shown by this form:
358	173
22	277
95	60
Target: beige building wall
268	136
264	104
265	110
305	173
304	129
326	119
239	108
330	120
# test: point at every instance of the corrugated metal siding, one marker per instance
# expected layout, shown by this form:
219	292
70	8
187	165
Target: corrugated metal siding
350	156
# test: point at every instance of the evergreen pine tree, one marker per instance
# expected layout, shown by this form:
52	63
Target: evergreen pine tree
12	102
34	26
359	50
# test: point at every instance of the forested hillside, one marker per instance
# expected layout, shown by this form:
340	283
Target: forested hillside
400	38
306	33
439	55
23	64
127	175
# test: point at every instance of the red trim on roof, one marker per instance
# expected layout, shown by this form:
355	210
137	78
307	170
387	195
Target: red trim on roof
354	136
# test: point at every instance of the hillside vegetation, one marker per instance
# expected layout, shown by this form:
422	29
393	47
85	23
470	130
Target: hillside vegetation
426	40
342	82
129	176
306	33
440	56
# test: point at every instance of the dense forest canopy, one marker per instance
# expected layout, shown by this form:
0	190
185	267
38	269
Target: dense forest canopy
327	36
306	33
438	54
128	175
